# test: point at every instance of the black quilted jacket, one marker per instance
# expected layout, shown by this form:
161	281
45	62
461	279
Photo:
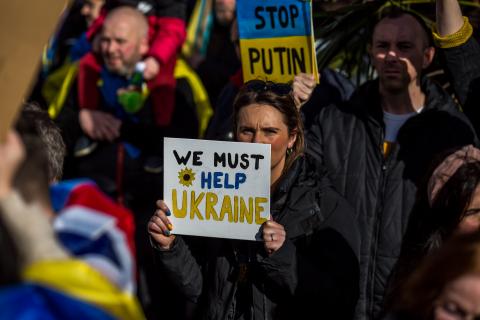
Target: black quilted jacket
348	141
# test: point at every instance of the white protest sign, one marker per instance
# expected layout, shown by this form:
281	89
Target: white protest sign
217	189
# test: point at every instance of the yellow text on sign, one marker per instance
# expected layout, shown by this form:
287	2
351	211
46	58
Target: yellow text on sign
205	206
276	59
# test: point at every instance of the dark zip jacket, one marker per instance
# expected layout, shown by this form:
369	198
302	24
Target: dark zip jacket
348	141
314	274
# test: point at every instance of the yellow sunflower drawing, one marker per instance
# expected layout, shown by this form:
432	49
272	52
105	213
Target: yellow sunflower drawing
186	177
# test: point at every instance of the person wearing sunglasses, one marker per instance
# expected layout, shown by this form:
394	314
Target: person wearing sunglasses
306	264
302	86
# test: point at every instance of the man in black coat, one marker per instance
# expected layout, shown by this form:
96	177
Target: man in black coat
378	145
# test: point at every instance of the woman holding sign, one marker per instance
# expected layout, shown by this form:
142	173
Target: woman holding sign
307	262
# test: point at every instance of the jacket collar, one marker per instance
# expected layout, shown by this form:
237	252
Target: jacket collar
279	195
303	175
367	104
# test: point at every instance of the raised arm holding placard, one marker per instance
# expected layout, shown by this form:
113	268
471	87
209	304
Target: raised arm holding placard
276	39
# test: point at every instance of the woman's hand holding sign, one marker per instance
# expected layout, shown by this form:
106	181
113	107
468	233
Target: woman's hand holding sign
160	226
273	236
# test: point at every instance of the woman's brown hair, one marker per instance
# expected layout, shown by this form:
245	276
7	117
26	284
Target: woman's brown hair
277	95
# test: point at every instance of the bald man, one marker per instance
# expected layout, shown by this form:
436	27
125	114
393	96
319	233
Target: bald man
124	40
124	111
378	145
123	44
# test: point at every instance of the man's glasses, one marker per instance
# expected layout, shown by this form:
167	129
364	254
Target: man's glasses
280	89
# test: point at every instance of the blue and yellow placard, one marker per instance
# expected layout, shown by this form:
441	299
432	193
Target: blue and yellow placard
216	188
276	39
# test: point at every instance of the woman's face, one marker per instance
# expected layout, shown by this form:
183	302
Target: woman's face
460	300
471	220
262	123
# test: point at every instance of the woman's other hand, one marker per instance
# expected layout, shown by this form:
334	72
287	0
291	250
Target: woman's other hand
273	236
160	226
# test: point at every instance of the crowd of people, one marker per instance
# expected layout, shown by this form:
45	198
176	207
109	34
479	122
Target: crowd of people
375	190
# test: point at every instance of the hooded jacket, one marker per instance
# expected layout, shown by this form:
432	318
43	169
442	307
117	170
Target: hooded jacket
348	141
315	272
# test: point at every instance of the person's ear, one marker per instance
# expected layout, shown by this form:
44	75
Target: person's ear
144	47
428	55
292	138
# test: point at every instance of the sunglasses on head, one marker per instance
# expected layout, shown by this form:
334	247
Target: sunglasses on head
280	89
